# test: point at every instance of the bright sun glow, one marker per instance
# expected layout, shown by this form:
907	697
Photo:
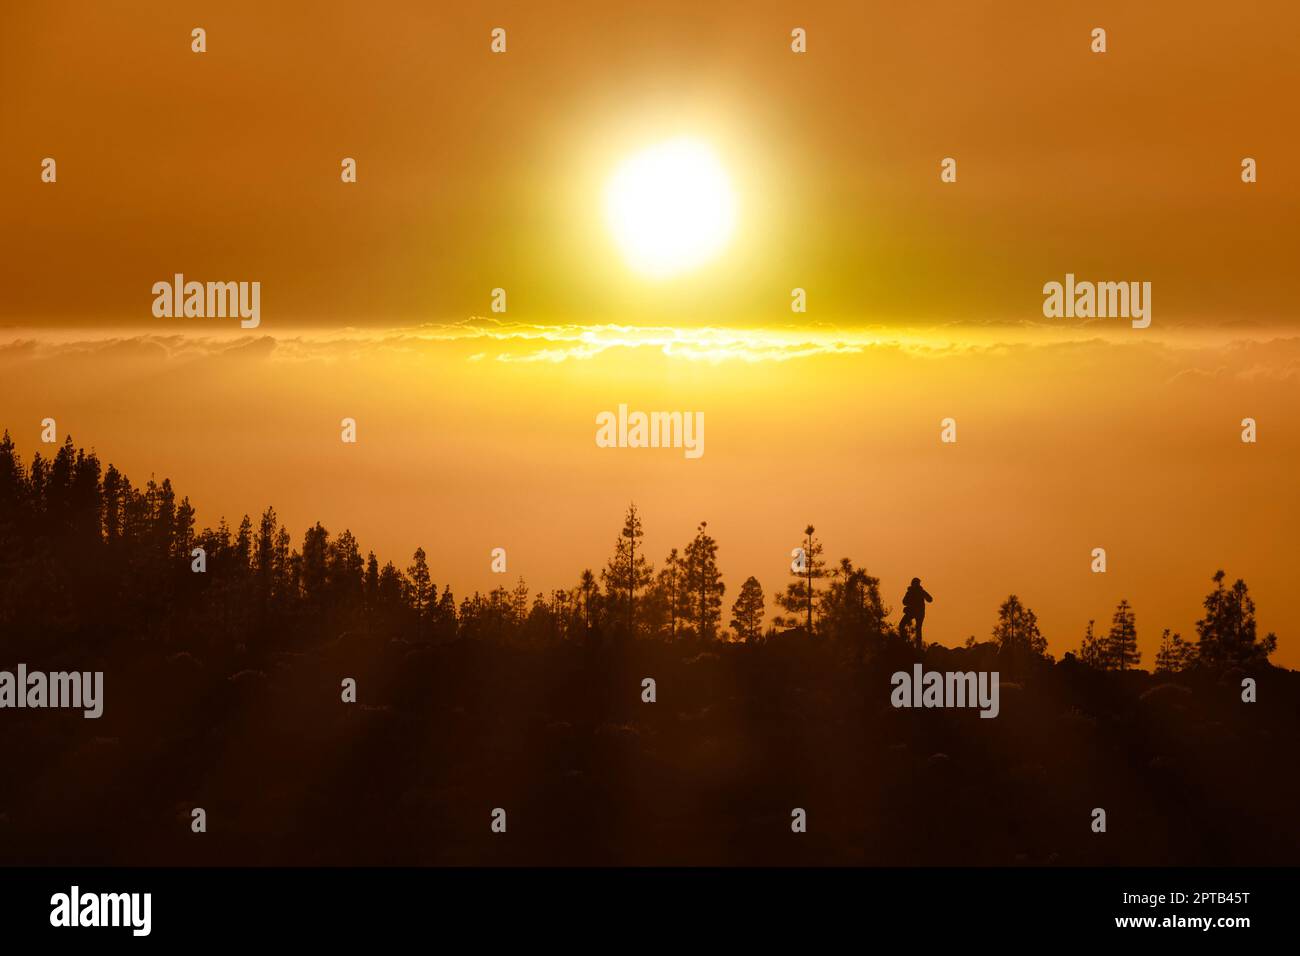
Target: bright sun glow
670	207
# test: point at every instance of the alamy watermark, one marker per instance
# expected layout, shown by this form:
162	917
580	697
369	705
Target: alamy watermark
75	908
76	690
211	300
626	429
923	688
1098	300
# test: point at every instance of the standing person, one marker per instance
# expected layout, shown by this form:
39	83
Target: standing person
914	602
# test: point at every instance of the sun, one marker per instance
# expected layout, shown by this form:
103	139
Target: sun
670	207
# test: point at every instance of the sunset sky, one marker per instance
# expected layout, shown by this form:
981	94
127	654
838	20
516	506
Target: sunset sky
478	171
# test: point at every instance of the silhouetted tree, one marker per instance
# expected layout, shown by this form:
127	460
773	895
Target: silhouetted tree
315	565
244	544
393	589
800	597
1090	649
704	587
590	593
628	571
1016	633
670	593
1120	649
1175	654
371	586
540	625
13	483
561	612
519	603
345	569
851	605
421	585
264	557
445	626
184	537
747	612
114	506
1226	635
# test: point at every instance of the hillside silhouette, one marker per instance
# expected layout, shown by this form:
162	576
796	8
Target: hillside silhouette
224	651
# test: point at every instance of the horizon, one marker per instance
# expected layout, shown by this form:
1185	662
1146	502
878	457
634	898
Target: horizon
412	431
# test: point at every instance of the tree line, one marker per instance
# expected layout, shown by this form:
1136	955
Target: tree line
1226	635
82	548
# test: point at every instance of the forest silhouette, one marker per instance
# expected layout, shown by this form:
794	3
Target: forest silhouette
224	650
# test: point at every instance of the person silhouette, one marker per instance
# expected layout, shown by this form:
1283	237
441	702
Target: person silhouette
914	602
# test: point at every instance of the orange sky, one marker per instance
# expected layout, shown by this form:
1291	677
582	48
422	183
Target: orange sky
478	171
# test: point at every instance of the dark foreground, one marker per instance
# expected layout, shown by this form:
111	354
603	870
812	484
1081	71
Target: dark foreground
589	774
